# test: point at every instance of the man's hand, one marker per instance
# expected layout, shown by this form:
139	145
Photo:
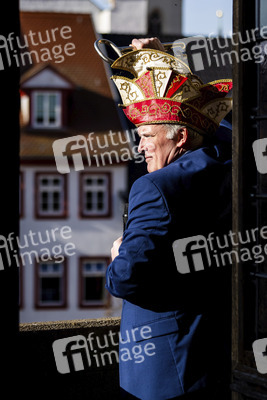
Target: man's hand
147	43
115	248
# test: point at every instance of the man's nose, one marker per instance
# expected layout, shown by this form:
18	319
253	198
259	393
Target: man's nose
141	145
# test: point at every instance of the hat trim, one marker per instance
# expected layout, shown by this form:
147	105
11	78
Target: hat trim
202	122
134	52
182	102
186	124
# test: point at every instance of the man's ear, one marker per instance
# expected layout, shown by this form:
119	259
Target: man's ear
182	137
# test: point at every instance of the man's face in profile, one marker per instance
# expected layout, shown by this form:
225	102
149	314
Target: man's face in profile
158	150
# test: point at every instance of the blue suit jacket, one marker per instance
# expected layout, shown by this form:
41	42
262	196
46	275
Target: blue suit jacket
172	324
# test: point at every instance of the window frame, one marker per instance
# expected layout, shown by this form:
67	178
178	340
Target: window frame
94	215
64	213
105	303
58	109
63	303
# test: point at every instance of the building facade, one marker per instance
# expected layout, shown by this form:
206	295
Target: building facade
74	153
141	17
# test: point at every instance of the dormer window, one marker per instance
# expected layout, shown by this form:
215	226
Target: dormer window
44	99
47	109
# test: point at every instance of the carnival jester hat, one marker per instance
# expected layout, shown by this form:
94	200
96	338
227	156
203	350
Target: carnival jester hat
164	90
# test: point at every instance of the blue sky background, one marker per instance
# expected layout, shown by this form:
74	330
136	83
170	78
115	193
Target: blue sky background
199	17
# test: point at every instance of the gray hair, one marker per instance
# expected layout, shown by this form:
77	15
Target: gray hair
196	140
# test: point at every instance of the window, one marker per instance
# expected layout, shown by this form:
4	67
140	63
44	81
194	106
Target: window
92	278
263	13
95	195
51	193
46	109
51	284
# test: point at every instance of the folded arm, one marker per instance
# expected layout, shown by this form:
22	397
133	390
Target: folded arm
131	271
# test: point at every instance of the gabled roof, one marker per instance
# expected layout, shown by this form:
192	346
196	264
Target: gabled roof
85	68
92	105
45	75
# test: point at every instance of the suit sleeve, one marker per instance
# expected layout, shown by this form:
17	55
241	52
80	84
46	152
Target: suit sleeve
130	273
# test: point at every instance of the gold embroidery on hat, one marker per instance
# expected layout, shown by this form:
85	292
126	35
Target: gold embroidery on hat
136	61
200	108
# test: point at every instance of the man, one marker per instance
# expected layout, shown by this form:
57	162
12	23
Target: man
174	313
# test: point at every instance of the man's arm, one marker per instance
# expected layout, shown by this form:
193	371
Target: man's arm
131	271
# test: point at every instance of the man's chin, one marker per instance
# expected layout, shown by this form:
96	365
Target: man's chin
151	168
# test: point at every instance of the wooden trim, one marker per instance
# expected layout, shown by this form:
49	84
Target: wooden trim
64	214
249	383
246	381
107	300
237	177
108	214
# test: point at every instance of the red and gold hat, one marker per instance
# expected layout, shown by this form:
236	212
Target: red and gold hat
164	90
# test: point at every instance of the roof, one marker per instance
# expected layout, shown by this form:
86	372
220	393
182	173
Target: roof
92	105
114	149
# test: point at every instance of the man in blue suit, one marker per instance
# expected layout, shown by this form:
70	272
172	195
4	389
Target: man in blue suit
174	318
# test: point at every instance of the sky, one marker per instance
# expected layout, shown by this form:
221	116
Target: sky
199	17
